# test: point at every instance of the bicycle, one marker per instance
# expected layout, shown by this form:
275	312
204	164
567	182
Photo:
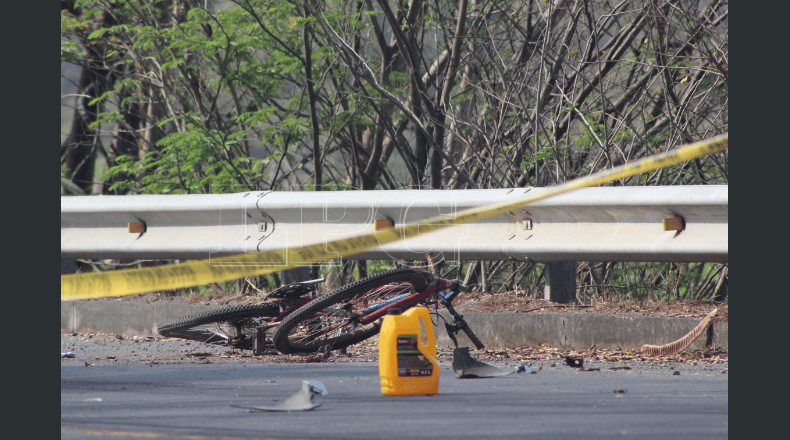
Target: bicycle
242	326
351	314
354	312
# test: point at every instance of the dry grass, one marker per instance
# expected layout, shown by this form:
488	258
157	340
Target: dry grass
515	301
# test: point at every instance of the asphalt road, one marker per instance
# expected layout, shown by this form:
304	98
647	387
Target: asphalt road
132	396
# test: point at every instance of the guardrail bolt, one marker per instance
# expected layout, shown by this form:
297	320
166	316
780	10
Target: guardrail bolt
674	224
137	228
381	224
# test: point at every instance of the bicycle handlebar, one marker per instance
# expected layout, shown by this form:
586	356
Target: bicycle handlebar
456	288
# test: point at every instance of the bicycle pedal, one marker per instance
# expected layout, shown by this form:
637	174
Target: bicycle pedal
325	351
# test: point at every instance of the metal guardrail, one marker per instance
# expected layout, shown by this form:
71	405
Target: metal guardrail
591	224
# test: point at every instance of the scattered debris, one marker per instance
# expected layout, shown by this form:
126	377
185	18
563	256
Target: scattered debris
578	363
621	367
574	362
67	354
93	399
466	367
307	399
620	391
676	373
683	343
367	351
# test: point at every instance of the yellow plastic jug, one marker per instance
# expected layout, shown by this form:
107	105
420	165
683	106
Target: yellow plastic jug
407	353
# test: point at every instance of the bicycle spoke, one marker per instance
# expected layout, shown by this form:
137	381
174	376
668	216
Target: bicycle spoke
341	318
333	323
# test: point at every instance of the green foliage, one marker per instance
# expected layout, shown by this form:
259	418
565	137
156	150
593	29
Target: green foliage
545	154
192	161
186	70
70	50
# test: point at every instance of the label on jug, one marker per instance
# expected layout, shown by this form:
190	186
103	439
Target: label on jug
411	361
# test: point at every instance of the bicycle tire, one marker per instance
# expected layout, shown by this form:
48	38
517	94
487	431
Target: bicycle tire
233	317
300	332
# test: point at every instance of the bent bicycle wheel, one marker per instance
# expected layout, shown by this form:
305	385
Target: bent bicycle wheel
232	326
333	320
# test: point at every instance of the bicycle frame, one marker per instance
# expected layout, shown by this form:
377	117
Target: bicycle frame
404	301
407	301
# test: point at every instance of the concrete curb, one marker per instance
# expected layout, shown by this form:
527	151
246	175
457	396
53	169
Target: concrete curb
576	331
579	331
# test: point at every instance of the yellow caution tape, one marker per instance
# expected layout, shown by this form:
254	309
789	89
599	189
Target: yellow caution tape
194	273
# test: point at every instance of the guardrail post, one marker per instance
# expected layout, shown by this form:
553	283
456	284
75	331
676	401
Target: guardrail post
560	282
295	275
483	277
